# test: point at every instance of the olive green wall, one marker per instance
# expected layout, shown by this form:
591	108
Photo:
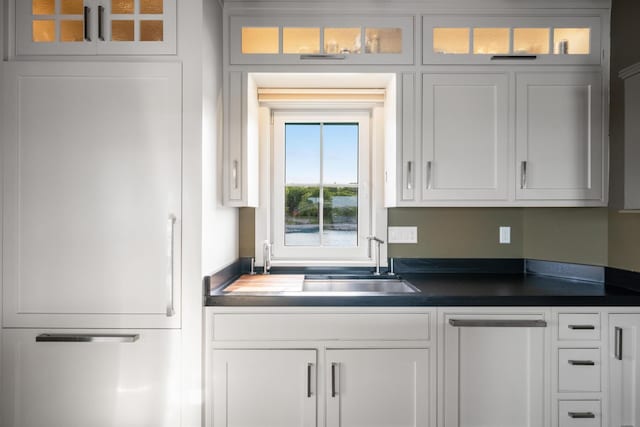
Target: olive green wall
246	232
624	229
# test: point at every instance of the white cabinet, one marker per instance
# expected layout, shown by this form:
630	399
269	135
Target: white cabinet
377	387
408	154
123	378
624	370
465	136
264	388
92	195
493	369
631	76
532	40
95	27
321	39
559	136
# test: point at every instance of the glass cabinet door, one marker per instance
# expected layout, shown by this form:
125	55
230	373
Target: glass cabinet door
553	40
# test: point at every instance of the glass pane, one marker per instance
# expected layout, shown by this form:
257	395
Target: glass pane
490	40
122	7
44	31
260	40
451	40
151	31
301	40
302	221
342	40
122	31
43	7
383	40
340	217
302	153
572	41
340	153
72	7
151	7
530	41
71	31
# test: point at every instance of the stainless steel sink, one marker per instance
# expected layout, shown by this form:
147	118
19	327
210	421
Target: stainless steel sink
342	285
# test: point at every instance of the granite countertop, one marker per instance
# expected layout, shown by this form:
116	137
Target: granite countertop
537	284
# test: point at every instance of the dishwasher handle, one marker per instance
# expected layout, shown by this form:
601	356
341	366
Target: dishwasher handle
497	323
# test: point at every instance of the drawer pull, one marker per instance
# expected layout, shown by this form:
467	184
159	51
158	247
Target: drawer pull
87	338
514	57
582	415
582	362
322	56
495	323
582	327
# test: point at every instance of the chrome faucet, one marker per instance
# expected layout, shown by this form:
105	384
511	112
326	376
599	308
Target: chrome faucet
378	243
266	255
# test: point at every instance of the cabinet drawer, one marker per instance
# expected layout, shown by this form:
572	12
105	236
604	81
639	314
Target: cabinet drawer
578	326
579	413
579	369
320	326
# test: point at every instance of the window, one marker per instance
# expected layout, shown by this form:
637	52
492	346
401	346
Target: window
321	176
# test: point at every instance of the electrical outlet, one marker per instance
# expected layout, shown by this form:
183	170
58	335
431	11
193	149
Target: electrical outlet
403	234
505	235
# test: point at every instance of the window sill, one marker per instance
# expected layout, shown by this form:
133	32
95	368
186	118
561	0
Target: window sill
326	263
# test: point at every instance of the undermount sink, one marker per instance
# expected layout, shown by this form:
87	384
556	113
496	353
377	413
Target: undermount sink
356	284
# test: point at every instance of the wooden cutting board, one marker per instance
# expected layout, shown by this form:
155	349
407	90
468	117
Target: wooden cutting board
267	283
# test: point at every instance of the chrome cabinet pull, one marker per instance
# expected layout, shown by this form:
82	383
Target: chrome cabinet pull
322	56
513	57
582	327
582	362
496	323
87	13
582	415
333	379
523	175
101	23
170	261
429	168
618	343
309	365
234	174
409	175
87	337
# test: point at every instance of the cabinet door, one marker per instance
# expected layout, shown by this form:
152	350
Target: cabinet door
493	375
408	170
378	388
624	367
92	195
264	388
112	382
465	131
559	141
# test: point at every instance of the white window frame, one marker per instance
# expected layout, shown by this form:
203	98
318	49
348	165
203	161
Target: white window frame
365	208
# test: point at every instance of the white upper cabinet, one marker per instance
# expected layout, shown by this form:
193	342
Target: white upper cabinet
92	195
321	40
465	136
506	40
559	136
95	27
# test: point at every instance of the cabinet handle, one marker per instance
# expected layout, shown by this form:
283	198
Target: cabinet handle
234	174
101	23
582	362
523	175
582	327
171	235
333	379
409	175
513	57
322	56
309	365
618	343
87	13
87	337
429	169
582	415
496	323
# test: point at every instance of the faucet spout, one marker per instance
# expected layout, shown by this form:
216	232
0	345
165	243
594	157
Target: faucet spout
378	242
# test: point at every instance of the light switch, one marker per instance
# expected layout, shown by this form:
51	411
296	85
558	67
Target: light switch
403	234
505	235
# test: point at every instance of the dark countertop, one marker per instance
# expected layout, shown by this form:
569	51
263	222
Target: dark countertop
464	289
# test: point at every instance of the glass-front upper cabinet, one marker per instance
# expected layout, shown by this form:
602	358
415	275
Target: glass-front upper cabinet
540	40
95	27
333	40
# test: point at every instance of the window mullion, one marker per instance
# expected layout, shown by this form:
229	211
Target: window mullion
321	198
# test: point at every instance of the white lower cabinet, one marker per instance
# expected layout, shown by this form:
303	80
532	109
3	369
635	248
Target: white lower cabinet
493	369
579	413
80	378
624	370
